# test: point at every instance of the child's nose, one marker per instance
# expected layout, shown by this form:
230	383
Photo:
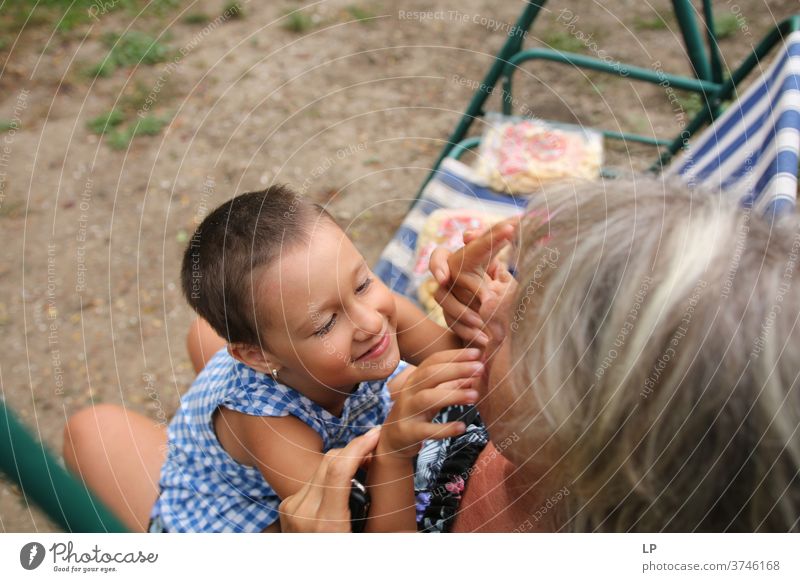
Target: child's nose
367	321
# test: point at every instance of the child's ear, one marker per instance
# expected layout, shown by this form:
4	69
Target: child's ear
254	357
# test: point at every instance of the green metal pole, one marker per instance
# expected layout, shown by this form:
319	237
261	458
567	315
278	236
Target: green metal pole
786	27
475	109
42	480
687	21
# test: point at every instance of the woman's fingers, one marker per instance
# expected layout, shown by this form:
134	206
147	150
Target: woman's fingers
322	504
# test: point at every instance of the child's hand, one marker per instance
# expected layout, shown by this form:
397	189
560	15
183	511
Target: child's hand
444	379
464	279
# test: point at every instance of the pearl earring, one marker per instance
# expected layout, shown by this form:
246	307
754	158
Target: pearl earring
275	373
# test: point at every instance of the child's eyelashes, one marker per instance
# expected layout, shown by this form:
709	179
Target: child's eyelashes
364	286
361	289
327	327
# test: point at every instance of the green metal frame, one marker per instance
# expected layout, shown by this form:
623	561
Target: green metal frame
704	56
45	482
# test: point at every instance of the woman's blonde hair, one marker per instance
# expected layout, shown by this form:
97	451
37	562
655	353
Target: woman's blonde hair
655	359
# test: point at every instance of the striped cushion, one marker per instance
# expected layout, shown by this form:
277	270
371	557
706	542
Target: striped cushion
454	185
751	151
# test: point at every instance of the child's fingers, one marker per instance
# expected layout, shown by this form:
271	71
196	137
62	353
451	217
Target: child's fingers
471	235
438	265
455	309
437	431
470	335
447	356
483	249
448	394
431	376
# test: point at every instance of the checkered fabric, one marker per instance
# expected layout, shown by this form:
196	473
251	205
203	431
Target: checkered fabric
202	488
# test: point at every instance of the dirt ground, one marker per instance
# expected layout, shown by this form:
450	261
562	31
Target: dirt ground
351	109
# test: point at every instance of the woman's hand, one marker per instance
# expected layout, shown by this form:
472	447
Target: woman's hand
322	505
464	278
444	379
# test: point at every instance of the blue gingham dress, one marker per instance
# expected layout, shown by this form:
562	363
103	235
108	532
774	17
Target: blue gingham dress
203	489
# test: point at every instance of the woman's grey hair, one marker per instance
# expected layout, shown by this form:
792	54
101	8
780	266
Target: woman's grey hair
655	359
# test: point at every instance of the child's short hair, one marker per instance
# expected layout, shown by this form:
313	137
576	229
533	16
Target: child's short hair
655	347
238	238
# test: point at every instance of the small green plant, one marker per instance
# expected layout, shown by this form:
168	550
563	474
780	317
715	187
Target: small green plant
363	15
196	18
564	42
135	98
691	104
656	22
725	25
298	22
103	124
233	11
120	139
131	48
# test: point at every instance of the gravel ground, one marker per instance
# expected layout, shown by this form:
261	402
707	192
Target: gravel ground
352	111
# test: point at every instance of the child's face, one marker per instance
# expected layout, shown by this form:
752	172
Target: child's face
331	321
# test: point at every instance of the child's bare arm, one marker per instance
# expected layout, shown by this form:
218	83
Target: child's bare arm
284	449
418	336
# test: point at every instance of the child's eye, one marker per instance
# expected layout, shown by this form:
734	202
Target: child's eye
364	286
327	327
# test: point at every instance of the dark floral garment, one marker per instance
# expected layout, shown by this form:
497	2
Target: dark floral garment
443	468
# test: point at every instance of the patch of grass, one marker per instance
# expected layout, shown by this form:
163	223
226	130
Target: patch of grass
564	42
120	139
725	25
360	13
298	22
233	11
12	209
103	124
656	22
691	104
6	124
135	98
131	48
196	18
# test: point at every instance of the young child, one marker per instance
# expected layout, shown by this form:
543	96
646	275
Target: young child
314	348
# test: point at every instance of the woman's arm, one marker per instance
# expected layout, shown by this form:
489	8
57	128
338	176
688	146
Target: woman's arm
418	336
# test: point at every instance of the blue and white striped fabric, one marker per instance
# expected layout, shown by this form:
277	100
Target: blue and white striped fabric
454	185
751	151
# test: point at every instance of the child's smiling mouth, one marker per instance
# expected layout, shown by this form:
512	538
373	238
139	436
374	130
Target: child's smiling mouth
377	349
